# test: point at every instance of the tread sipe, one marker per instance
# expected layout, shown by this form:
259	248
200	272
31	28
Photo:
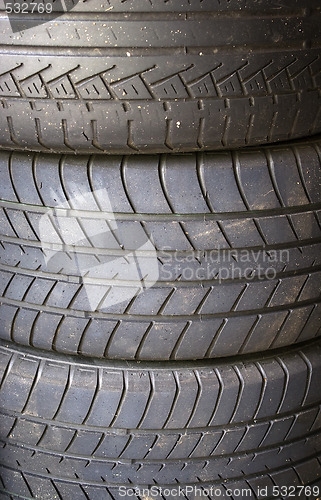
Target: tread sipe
160	76
84	430
163	257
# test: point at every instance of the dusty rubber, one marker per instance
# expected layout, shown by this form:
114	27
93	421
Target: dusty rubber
84	429
142	257
160	76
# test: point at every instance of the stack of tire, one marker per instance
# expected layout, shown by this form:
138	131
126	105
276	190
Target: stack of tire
160	253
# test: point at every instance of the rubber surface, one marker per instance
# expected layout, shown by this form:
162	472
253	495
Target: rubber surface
83	430
93	274
160	76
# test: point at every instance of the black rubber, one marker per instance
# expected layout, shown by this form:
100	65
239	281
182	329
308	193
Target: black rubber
160	76
82	430
93	277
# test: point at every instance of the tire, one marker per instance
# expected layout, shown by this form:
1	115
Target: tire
83	430
160	76
85	267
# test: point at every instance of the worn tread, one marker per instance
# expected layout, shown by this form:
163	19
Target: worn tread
191	311
163	79
187	421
